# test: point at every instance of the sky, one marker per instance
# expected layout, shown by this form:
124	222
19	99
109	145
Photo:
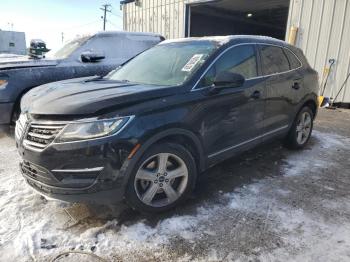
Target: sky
48	19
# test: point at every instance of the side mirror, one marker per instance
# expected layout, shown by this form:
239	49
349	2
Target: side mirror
228	79
91	56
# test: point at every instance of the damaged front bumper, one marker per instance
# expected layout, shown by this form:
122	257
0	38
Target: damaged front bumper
89	171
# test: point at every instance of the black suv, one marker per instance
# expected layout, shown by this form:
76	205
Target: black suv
146	131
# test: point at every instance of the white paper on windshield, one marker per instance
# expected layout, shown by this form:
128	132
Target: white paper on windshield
192	62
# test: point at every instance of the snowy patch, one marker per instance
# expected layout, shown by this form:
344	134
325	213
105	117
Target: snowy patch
31	228
319	156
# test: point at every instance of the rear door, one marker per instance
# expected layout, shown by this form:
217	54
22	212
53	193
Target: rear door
299	81
281	85
233	118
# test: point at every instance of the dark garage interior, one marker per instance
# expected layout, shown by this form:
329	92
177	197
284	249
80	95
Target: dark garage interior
250	17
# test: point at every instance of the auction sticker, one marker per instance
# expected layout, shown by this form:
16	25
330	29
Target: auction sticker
192	62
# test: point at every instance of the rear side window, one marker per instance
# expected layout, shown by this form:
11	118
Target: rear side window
274	60
240	59
121	46
293	60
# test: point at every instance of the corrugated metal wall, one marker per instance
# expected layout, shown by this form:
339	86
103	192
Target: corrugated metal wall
324	31
160	16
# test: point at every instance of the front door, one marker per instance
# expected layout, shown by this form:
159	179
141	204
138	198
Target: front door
233	118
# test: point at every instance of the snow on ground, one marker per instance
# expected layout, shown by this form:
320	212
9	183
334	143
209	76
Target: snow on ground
312	159
301	215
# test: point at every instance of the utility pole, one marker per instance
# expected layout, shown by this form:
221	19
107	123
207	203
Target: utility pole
62	37
105	9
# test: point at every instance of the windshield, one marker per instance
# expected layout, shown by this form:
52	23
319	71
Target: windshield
166	64
68	48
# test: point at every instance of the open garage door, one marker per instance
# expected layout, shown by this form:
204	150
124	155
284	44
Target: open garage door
229	17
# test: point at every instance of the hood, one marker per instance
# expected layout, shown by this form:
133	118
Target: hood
24	61
86	96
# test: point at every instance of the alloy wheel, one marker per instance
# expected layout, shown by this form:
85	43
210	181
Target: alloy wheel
304	127
161	180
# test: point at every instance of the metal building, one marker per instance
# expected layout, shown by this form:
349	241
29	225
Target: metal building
12	42
321	28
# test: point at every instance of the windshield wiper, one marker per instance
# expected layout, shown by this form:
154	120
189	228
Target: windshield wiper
101	78
118	80
94	79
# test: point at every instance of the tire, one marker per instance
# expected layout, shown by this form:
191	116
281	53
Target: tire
150	176
301	130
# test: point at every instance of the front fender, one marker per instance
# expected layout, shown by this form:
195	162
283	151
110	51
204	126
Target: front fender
129	164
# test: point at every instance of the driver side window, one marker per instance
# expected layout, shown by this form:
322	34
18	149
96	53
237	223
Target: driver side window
241	60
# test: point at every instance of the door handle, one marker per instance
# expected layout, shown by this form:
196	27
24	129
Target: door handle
296	85
256	95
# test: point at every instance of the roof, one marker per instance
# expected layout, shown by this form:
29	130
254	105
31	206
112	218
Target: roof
222	40
37	41
109	33
126	2
14	32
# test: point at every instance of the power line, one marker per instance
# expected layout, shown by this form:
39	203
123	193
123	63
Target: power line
117	15
79	26
105	9
116	26
65	30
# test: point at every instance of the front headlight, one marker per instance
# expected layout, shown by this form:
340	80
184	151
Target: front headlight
90	130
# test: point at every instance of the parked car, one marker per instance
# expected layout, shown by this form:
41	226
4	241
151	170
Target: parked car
85	56
147	131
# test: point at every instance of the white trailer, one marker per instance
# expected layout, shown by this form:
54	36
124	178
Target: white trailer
12	42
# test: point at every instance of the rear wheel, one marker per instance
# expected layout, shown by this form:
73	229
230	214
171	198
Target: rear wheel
301	129
163	177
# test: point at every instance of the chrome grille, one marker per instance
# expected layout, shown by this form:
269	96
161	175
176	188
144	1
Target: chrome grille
40	135
20	126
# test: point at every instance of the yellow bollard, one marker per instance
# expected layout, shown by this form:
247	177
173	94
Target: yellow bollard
320	100
292	38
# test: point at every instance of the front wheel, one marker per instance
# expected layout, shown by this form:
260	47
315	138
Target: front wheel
301	129
161	179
